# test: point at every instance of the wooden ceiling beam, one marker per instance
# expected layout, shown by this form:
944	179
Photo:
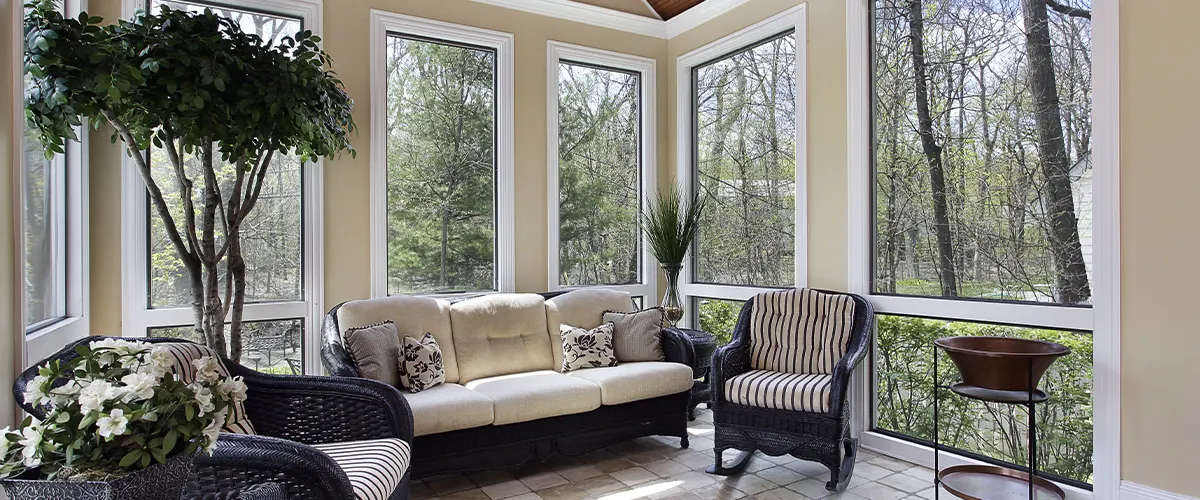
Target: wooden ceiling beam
671	8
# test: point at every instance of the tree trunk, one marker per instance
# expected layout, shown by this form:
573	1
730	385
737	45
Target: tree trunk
1063	232
213	307
236	266
933	152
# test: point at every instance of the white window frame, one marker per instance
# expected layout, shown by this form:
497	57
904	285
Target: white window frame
556	53
48	337
1102	319
382	24
137	317
791	19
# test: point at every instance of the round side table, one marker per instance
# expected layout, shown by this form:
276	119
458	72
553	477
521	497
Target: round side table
705	344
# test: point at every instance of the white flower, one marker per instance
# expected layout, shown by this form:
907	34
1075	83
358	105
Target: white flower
234	389
207	369
139	386
65	394
213	431
95	394
126	351
113	424
5	444
31	440
160	362
204	396
35	393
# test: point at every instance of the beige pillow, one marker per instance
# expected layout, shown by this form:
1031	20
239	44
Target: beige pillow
376	351
587	348
637	336
421	365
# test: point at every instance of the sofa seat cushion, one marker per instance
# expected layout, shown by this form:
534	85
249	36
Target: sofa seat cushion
448	407
501	334
522	397
780	391
629	382
374	467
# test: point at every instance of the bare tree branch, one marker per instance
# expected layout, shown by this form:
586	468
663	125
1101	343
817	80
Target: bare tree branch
1069	10
260	173
185	187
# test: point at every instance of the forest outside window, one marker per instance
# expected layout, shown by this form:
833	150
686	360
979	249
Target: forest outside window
982	204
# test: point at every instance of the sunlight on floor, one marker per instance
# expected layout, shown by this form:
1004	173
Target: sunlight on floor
699	431
642	491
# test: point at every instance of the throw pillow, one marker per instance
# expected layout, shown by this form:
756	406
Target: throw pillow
421	364
587	348
375	350
637	336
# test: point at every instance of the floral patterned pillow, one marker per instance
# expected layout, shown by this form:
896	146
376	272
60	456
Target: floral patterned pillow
587	348
421	364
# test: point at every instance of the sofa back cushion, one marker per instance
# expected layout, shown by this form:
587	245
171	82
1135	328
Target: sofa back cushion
501	334
413	317
583	308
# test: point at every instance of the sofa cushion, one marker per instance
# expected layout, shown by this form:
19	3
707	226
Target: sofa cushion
374	467
529	396
638	336
448	407
798	331
582	308
587	348
780	391
501	334
413	316
628	382
376	351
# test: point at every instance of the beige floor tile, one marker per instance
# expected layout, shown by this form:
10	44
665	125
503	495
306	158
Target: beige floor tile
780	475
749	483
693	480
506	489
634	475
614	465
579	473
905	483
779	494
543	480
564	492
665	468
877	491
452	484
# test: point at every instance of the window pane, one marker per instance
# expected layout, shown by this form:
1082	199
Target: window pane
441	105
275	346
904	397
718	317
745	150
985	191
599	188
271	236
45	221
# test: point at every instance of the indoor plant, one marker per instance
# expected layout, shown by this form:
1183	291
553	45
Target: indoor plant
671	225
220	102
119	424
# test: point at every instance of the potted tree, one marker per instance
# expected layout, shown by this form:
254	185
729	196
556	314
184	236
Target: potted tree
671	225
221	103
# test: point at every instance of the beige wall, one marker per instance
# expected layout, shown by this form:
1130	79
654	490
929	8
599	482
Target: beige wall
1160	240
9	286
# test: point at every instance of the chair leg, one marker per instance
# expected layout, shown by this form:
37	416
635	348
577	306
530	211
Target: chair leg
736	467
840	476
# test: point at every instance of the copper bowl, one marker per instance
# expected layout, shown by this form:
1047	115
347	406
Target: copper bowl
1001	363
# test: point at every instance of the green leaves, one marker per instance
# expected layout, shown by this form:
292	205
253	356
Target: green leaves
671	224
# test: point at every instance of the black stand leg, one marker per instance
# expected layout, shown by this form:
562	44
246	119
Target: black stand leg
683	442
737	467
937	481
1032	434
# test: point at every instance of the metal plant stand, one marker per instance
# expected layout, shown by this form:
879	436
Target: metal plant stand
981	482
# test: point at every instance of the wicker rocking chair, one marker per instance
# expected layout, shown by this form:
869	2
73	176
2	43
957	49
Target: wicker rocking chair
295	418
780	387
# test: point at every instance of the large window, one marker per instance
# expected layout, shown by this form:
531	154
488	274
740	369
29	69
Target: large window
282	265
601	168
744	98
441	157
982	213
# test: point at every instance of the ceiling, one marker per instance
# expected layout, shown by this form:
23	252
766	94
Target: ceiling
662	9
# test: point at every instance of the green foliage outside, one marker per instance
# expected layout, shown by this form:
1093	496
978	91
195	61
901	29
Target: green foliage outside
904	395
719	317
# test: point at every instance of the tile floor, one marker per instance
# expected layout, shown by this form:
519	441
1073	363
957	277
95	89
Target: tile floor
656	468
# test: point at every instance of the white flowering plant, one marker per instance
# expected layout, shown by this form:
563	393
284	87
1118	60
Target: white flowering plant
117	407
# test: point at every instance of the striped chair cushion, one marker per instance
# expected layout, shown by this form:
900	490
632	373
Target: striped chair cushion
237	422
780	391
799	331
375	467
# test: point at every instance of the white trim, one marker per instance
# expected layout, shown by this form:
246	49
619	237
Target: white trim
648	107
137	317
653	11
702	13
1103	319
793	18
1134	491
383	22
587	14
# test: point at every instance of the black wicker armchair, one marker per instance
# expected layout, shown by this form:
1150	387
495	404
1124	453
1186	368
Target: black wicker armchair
822	437
290	415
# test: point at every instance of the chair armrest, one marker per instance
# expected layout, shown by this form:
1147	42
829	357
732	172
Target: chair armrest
334	356
860	343
317	410
733	359
242	461
677	347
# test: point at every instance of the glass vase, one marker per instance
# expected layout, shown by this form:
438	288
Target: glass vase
672	306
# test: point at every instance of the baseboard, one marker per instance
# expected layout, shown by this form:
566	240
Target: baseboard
1134	491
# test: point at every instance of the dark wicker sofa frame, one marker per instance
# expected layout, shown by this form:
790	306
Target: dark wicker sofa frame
289	413
820	437
494	447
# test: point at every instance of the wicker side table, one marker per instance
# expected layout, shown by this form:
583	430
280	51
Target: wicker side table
705	344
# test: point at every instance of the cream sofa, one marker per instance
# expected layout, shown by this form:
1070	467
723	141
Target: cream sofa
505	402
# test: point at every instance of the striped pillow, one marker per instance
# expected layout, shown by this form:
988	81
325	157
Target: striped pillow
183	354
800	331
